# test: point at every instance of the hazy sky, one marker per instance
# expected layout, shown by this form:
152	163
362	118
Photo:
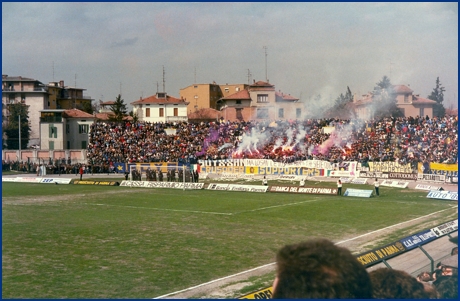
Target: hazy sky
312	48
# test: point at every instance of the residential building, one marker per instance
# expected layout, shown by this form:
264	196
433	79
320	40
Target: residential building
160	108
28	91
203	96
64	129
410	104
260	101
66	97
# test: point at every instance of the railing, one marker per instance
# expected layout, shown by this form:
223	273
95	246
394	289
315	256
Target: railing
51	119
176	118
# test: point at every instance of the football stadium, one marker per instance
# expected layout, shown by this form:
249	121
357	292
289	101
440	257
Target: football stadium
201	212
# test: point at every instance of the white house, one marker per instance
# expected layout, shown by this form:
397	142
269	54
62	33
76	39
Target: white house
64	129
160	108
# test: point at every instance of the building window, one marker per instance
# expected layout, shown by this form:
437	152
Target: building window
406	98
83	128
262	97
51	145
238	102
147	112
67	128
83	145
68	144
281	113
52	131
298	113
262	113
422	112
195	87
176	112
162	112
237	89
227	90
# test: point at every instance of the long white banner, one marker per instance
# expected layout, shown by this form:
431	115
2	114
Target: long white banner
150	184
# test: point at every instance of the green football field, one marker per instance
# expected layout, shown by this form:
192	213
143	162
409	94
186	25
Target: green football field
83	241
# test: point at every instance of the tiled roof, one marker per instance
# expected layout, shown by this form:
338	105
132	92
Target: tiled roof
285	96
154	100
19	78
418	99
76	113
107	103
243	94
205	113
261	84
105	116
402	89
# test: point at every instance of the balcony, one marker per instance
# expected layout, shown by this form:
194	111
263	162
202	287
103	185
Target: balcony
176	118
50	119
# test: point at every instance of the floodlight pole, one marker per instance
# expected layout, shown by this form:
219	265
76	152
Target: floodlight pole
19	137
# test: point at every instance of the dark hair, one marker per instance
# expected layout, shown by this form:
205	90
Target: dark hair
447	287
396	284
319	269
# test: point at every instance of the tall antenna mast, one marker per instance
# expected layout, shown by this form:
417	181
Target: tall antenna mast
157	87
163	78
249	77
75	93
53	71
266	77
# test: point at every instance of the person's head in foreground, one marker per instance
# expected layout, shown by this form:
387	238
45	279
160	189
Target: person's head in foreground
318	269
396	284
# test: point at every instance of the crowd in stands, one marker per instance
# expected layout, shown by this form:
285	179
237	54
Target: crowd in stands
319	269
405	140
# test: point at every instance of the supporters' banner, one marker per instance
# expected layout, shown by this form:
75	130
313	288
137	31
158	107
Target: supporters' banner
120	167
305	190
252	170
265	293
389	167
446	228
345	174
102	183
281	170
150	184
28	179
370	174
290	178
402	176
443	195
379	254
226	169
395	184
431	177
234	187
418	239
358	193
448	170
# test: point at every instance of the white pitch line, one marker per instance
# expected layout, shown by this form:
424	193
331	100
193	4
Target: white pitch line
277	206
160	209
269	264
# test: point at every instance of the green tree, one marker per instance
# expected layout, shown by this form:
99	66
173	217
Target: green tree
118	109
135	118
384	100
341	108
87	107
12	128
438	95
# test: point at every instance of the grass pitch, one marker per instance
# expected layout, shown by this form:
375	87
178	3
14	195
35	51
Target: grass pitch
77	241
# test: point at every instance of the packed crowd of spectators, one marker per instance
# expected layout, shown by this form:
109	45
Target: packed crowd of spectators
405	140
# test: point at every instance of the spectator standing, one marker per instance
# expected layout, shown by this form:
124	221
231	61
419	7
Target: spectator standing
376	186
81	172
339	187
264	181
